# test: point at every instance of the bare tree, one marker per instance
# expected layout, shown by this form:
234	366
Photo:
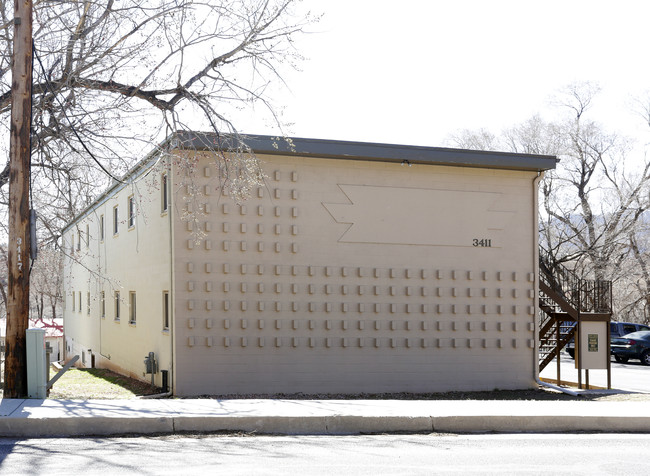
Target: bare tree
46	284
594	206
481	139
111	79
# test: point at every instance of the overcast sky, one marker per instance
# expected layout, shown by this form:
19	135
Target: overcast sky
415	71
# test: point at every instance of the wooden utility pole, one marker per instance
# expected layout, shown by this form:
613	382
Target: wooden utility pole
19	233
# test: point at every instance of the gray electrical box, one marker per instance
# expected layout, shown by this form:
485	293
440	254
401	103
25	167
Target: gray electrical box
36	366
150	364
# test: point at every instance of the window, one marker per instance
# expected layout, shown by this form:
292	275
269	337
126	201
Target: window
164	197
78	241
79	294
115	220
101	228
102	305
131	211
165	310
88	302
628	328
132	306
74	307
87	236
117	305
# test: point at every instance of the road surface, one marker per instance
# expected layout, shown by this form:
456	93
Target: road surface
632	376
575	454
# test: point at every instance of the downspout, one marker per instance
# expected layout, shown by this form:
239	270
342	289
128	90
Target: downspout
536	181
157	395
102	275
172	298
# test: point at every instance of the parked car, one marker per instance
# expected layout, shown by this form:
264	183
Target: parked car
616	329
632	346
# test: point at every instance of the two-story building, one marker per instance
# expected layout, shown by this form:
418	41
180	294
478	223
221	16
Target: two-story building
355	268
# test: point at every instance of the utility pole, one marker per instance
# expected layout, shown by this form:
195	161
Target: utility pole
19	231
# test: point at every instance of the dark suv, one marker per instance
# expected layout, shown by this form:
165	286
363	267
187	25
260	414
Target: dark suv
616	329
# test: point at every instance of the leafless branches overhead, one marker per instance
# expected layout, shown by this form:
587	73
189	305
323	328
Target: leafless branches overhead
113	78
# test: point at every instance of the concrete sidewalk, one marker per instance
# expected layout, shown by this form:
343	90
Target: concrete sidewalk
34	418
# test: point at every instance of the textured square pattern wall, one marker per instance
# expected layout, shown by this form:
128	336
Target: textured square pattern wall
345	276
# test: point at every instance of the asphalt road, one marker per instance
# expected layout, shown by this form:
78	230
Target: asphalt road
632	376
575	454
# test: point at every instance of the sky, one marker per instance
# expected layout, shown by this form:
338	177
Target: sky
417	71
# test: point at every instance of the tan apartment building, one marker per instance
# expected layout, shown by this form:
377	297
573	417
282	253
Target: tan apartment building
357	267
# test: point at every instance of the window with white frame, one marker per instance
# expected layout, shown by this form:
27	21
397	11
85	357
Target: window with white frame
164	194
165	310
116	220
88	302
74	306
132	307
117	305
102	305
131	209
79	296
101	228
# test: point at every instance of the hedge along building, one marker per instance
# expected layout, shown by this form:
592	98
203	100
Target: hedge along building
357	267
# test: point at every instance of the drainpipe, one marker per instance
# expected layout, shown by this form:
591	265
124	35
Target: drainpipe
555	387
536	181
172	299
157	395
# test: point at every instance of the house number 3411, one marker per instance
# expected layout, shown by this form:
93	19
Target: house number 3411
485	243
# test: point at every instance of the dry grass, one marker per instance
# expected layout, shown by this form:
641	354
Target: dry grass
85	384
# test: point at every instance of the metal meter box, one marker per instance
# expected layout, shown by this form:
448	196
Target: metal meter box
36	366
594	345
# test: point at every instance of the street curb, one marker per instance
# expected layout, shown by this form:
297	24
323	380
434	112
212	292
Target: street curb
74	426
541	424
317	425
56	418
307	425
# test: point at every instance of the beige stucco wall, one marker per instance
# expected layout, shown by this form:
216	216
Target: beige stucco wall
136	259
352	276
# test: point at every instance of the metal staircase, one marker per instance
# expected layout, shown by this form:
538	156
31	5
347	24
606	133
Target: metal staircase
565	299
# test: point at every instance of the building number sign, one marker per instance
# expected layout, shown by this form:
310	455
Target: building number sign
483	242
19	243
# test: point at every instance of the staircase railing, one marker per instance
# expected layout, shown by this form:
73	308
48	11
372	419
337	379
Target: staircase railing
584	295
563	298
559	278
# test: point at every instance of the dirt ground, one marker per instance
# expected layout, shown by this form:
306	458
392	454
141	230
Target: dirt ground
83	384
539	393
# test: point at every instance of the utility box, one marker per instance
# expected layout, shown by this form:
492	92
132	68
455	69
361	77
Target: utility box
36	366
150	364
593	349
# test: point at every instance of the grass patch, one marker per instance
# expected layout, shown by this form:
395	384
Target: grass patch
85	384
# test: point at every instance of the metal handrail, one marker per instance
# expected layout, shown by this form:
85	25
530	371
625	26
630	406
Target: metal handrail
585	295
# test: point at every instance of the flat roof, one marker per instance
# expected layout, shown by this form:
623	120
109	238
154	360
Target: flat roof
333	149
347	150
